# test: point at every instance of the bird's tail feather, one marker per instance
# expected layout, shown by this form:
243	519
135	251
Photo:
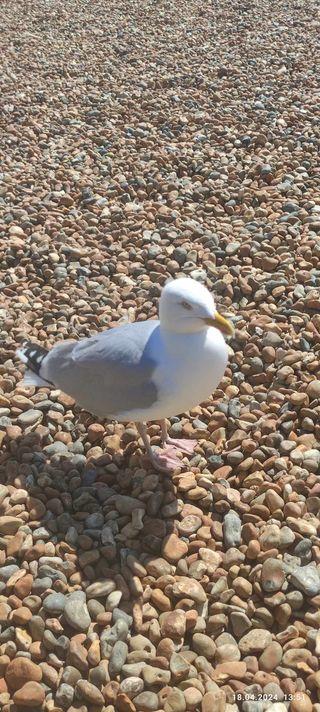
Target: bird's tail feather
31	379
32	355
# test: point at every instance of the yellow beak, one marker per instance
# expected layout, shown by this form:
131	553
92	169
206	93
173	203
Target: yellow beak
219	322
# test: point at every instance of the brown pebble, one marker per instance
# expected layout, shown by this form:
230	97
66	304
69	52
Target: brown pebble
214	701
21	670
173	549
124	703
30	695
23	587
89	693
301	703
21	616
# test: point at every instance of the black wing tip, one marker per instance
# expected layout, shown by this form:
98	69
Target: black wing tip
32	355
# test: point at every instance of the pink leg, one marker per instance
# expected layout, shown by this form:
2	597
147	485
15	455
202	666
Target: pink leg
163	460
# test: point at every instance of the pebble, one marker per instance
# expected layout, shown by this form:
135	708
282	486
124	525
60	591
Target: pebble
21	670
173	625
272	575
203	645
99	589
9	525
146	701
271	657
155	676
301	703
306	579
64	695
173	548
117	658
54	603
88	693
30	695
231	529
254	641
77	615
132	686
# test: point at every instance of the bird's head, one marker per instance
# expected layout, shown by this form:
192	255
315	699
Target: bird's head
186	306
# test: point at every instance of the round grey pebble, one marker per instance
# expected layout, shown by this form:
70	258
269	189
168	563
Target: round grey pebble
118	614
29	417
36	627
64	695
147	701
7	571
94	608
70	675
306	579
132	686
54	603
117	658
231	529
94	521
77	615
56	448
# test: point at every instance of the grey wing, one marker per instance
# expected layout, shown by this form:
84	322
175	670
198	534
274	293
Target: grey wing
109	373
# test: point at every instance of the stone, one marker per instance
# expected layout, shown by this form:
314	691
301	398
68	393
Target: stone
203	645
189	525
271	657
36	508
231	529
54	603
173	548
270	537
146	702
30	417
193	697
306	579
155	676
313	389
89	693
101	588
226	653
214	701
21	670
225	671
77	615
132	686
124	704
64	695
21	616
272	575
255	641
30	695
189	588
301	703
175	701
9	525
179	667
117	658
240	623
173	625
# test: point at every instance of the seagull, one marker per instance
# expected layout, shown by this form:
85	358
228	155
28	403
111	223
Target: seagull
143	371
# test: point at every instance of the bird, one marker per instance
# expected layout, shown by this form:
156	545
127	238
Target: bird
143	371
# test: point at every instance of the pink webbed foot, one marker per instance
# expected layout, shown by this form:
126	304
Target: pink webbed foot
185	446
165	460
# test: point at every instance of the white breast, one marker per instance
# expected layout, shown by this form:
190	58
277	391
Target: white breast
191	367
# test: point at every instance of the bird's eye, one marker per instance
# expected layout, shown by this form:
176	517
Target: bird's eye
186	305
